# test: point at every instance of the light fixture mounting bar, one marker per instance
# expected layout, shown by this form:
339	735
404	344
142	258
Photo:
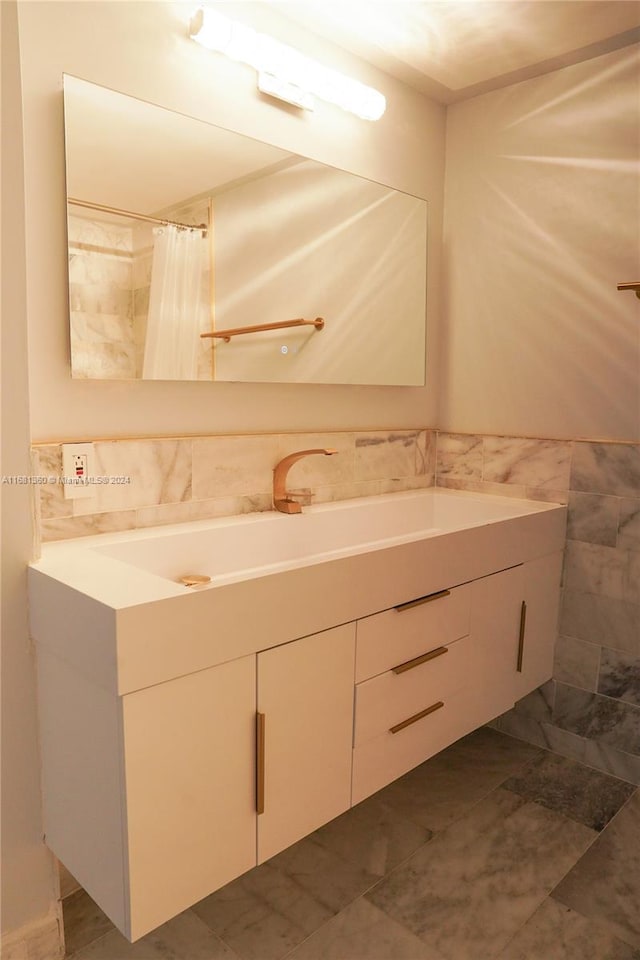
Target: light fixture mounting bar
292	76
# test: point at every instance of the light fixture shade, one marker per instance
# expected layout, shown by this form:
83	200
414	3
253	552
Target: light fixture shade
286	64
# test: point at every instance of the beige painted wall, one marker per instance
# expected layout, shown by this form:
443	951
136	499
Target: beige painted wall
26	866
142	49
542	221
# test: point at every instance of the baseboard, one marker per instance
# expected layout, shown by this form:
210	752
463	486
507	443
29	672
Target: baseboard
41	940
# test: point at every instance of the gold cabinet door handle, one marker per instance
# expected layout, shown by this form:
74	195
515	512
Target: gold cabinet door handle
420	600
260	744
417	716
410	664
523	624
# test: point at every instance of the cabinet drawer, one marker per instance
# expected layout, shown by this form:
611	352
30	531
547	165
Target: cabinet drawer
391	698
402	633
385	758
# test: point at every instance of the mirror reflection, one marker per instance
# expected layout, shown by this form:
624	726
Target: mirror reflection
196	253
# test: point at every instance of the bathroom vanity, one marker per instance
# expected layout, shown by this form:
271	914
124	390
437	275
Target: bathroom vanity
190	734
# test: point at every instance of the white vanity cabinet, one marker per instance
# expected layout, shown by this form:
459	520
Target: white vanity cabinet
175	759
305	705
159	797
412	677
149	798
188	790
431	670
539	623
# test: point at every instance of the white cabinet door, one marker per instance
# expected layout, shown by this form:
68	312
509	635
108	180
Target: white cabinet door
540	622
496	606
190	789
305	695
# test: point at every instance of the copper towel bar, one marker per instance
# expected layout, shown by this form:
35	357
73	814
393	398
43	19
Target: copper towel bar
226	335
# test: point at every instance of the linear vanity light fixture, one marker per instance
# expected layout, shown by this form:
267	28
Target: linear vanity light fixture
283	72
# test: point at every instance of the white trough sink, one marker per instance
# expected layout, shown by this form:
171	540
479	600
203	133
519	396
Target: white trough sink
274	577
242	547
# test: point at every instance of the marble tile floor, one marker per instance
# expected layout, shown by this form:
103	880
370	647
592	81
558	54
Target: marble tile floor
492	849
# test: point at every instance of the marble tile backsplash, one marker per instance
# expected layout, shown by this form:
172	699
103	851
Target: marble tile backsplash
590	711
160	481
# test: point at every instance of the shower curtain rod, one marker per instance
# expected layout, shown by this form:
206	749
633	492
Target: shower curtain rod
138	216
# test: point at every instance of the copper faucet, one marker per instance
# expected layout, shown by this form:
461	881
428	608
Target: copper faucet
281	501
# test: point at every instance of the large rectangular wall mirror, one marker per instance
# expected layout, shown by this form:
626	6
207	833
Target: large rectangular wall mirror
185	237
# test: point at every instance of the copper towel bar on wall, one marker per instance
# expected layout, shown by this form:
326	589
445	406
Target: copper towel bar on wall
631	286
226	335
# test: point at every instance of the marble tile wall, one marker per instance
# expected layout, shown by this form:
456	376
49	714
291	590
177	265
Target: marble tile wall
101	299
159	481
590	711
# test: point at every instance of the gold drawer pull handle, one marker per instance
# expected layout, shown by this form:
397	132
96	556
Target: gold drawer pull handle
410	664
421	600
260	743
523	623
416	717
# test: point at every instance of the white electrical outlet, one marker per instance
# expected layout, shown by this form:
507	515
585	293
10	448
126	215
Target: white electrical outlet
77	467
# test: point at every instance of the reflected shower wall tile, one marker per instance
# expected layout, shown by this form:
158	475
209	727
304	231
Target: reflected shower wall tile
100	327
100	266
317	469
576	662
459	457
101	297
141	301
68	528
232	466
599	718
619	676
610	622
141	473
99	233
612	468
103	361
534	463
385	455
605	571
629	525
593	518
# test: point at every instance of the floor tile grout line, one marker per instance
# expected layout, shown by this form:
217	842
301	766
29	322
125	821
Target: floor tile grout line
436	833
599	834
555	753
397	866
71	956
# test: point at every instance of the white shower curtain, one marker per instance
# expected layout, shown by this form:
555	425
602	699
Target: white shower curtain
178	304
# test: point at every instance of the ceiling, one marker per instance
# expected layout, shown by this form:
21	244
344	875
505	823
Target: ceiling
452	50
